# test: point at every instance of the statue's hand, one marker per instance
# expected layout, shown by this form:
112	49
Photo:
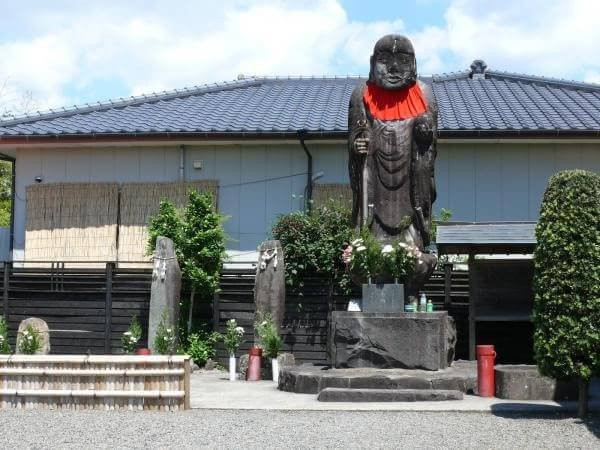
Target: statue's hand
423	130
361	145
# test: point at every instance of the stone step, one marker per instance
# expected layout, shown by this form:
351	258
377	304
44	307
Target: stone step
387	395
311	379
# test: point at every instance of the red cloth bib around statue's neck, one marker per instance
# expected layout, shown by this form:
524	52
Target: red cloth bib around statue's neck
387	104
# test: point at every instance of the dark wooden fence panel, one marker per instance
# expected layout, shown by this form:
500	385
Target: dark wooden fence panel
87	309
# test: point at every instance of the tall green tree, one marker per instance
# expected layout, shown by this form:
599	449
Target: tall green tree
566	312
199	239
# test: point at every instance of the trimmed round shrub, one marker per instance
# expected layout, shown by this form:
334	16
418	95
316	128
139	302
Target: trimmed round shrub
566	313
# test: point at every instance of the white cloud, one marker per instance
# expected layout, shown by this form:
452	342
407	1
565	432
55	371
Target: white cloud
67	47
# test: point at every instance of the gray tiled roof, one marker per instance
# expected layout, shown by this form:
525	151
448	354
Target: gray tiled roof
502	103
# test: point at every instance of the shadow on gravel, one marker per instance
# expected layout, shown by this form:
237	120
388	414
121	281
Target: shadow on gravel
510	411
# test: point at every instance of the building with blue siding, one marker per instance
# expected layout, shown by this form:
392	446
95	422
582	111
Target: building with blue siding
501	136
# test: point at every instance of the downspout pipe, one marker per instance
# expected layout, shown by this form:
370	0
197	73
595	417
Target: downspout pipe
182	163
309	172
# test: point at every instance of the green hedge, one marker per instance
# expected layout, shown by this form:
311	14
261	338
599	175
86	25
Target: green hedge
567	277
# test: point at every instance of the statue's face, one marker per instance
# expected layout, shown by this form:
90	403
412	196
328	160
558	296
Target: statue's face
394	70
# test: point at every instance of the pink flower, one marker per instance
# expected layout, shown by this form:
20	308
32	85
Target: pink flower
347	254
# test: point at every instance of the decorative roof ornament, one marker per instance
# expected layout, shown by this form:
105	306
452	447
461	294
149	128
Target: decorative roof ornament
478	68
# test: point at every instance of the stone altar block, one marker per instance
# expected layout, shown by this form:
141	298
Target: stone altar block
392	340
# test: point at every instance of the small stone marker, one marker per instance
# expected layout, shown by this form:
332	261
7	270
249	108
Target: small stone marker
166	288
42	328
269	290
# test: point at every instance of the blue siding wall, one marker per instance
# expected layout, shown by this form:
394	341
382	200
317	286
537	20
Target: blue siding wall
476	181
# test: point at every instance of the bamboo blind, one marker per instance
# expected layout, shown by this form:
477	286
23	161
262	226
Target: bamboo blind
71	222
139	201
322	193
95	382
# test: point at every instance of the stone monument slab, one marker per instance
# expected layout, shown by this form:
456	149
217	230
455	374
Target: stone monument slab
166	288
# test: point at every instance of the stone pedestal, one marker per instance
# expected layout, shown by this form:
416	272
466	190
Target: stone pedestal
165	290
392	340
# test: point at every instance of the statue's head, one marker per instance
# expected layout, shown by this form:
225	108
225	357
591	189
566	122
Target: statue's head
393	63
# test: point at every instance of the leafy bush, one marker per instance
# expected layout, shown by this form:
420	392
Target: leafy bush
165	340
131	338
313	241
4	345
233	337
201	346
367	259
269	337
566	312
30	342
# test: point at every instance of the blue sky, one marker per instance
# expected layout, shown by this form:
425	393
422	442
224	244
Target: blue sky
69	52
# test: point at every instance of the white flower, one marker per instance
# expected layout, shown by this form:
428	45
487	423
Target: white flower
402	244
168	330
30	337
231	321
264	323
127	333
356	242
166	338
239	330
387	249
361	248
25	333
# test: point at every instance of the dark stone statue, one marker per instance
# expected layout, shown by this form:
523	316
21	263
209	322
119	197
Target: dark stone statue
392	125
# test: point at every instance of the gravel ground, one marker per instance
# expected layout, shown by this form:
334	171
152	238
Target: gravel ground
294	429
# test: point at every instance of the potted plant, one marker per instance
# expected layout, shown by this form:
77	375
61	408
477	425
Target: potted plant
270	340
130	339
232	339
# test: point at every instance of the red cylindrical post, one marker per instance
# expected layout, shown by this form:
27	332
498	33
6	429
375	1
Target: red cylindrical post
485	370
254	359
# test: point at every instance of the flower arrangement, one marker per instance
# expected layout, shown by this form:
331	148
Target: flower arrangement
166	338
30	342
130	339
4	345
268	334
233	337
368	258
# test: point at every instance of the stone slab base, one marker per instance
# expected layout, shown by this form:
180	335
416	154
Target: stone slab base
524	382
392	340
311	379
387	395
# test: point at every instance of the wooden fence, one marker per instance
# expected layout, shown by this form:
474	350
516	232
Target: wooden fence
95	382
87	309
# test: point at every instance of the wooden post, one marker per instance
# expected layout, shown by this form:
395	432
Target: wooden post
472	295
216	311
110	267
7	267
447	285
583	398
186	383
